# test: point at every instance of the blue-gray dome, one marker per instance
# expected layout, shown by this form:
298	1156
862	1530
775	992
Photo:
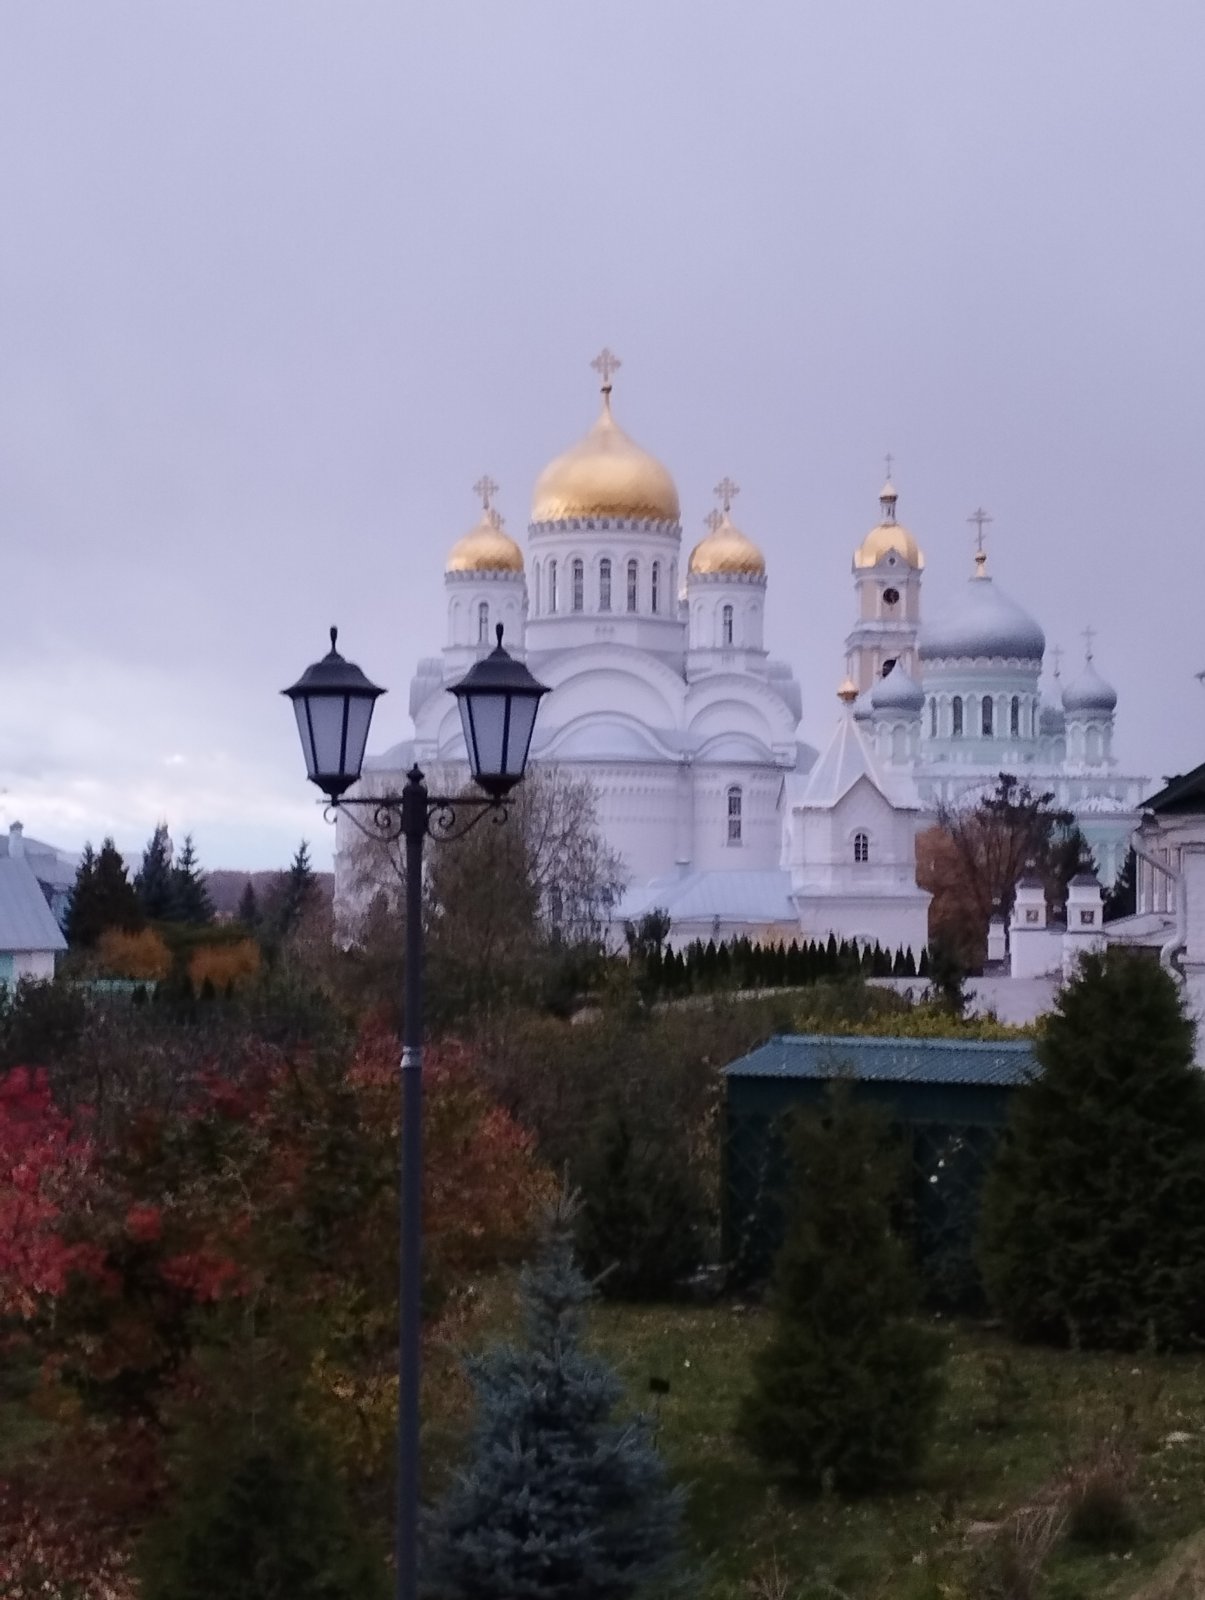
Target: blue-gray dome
898	691
1089	694
863	709
986	625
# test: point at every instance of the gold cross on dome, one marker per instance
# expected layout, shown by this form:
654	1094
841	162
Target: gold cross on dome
980	518
712	520
890	459
487	489
726	492
606	365
1088	635
1056	656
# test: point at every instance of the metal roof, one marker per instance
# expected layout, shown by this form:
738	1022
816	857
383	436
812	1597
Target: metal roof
751	896
26	921
994	1062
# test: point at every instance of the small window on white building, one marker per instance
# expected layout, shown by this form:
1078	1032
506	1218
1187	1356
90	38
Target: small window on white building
956	717
734	814
552	586
726	624
656	596
483	622
1087	919
579	585
861	846
633	585
604	584
989	710
933	717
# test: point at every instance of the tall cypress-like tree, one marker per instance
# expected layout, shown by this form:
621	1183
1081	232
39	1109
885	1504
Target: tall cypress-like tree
102	897
560	1499
190	896
153	880
846	1391
1093	1222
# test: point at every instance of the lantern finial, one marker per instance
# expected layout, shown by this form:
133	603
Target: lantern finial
334	636
498	635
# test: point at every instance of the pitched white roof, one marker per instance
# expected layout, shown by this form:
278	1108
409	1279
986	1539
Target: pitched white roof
754	897
26	921
848	758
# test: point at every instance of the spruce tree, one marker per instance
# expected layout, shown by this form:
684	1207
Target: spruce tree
560	1499
846	1391
295	893
1093	1222
153	880
248	906
190	896
102	897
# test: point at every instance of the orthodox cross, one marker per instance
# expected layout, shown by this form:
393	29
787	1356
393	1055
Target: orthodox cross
979	517
890	460
1088	635
606	365
1057	656
726	492
713	519
487	489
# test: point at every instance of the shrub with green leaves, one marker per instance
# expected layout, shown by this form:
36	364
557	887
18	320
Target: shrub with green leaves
1093	1221
846	1391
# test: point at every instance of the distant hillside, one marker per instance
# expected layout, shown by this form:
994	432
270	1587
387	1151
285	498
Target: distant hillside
226	888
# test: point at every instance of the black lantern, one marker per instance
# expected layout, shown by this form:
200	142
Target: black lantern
333	701
498	701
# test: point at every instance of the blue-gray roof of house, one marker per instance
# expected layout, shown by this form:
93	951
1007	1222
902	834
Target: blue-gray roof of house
26	921
992	1062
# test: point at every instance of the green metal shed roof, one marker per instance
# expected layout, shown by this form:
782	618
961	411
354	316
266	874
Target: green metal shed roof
995	1062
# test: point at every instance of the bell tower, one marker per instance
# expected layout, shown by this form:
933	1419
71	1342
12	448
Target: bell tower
887	569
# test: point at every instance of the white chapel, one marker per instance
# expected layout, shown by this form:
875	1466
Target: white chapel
665	699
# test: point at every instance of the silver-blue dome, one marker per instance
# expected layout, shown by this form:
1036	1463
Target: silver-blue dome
986	625
1089	693
898	691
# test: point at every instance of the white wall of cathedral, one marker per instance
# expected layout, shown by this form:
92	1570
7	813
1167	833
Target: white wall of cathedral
1090	741
895	740
978	712
896	925
603	579
726	614
477	602
887	599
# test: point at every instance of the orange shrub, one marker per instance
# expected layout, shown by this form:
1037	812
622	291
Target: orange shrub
134	955
224	964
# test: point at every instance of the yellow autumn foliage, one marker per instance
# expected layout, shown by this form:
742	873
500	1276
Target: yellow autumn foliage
224	964
143	955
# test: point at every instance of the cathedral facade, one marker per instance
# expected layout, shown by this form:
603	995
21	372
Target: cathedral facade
665	698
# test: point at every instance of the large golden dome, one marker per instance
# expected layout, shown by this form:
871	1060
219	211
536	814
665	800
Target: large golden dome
487	547
887	536
727	550
606	474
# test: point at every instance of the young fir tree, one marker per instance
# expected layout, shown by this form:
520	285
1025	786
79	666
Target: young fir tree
190	896
153	880
294	894
1093	1221
248	906
560	1499
846	1391
102	897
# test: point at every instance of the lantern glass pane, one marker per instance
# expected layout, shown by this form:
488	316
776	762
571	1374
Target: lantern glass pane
326	718
484	719
301	708
359	715
523	709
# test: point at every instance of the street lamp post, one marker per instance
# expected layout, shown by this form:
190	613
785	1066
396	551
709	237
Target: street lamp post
333	701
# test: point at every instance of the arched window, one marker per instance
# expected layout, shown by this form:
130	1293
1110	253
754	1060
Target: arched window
483	622
861	846
726	624
604	584
887	666
989	716
552	586
734	814
536	592
933	716
579	584
633	585
956	717
1014	716
656	596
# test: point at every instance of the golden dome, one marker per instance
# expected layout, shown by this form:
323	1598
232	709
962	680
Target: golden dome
727	550
848	692
485	548
886	537
606	474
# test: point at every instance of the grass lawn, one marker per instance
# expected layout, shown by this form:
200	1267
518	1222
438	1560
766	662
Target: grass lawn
1012	1419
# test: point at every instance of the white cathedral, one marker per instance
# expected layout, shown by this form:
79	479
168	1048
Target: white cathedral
665	699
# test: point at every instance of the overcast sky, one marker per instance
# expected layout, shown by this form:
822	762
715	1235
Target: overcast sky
280	279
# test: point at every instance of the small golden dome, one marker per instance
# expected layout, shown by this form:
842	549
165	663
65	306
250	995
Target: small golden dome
606	474
727	550
886	537
848	692
485	548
